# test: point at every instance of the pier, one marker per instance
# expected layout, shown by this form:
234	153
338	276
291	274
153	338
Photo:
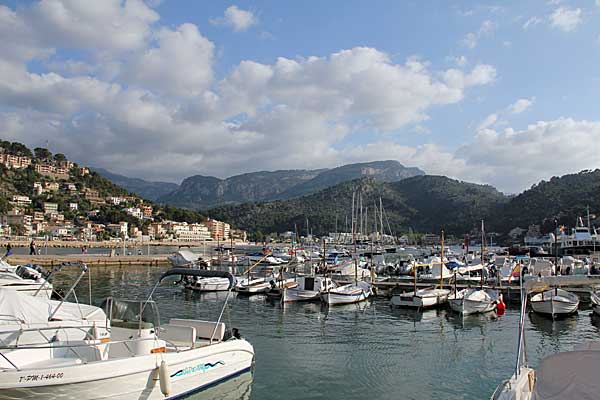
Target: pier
49	261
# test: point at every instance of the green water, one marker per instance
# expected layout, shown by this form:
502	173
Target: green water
306	351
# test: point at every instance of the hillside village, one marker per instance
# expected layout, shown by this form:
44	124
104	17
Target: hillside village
47	197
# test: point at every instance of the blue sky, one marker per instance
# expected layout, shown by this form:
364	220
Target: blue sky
504	93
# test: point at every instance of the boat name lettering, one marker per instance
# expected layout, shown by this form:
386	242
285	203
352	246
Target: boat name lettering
198	368
40	377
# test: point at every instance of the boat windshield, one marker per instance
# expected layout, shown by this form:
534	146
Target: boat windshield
131	314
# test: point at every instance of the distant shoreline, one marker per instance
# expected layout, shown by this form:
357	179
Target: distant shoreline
114	244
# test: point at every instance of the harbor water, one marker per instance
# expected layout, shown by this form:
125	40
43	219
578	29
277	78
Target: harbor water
307	351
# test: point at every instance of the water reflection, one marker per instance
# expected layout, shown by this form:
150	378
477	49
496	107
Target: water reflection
553	327
237	388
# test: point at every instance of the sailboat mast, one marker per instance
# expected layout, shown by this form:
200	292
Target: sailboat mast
381	219
442	264
482	244
354	240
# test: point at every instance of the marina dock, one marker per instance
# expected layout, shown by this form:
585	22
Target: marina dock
156	260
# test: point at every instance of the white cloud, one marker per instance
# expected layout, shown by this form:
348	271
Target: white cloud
180	64
531	22
520	105
515	159
150	106
236	18
471	39
487	122
566	19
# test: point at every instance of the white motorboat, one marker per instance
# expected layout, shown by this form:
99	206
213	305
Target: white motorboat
352	293
555	302
142	359
473	301
424	298
213	284
187	258
308	288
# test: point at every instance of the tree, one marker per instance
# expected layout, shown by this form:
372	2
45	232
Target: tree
20	149
42	153
59	157
18	229
4	205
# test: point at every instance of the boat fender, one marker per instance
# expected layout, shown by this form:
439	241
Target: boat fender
164	378
95	332
501	307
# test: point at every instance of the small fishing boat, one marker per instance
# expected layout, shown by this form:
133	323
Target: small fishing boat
351	293
555	302
253	286
473	301
142	359
423	298
279	287
308	288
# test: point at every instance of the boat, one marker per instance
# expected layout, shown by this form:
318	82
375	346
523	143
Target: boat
253	286
208	285
565	375
187	258
346	294
36	317
308	288
555	302
279	286
473	301
142	359
423	298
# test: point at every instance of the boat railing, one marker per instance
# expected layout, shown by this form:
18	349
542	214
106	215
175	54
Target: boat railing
96	343
500	389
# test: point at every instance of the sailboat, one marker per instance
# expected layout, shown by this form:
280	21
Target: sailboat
353	292
423	298
474	300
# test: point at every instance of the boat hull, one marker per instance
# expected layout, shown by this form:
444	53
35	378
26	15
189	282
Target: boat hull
555	303
423	299
469	301
189	371
347	295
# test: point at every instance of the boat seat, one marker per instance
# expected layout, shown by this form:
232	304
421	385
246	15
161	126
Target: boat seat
204	329
179	335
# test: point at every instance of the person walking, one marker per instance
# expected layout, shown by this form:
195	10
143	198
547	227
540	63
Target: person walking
8	250
32	251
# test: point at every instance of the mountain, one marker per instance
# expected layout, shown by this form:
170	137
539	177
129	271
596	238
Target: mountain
383	171
143	188
205	191
565	198
424	203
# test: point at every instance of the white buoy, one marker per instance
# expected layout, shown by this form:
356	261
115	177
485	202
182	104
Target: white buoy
164	378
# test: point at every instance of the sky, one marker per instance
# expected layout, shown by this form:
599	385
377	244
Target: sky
505	93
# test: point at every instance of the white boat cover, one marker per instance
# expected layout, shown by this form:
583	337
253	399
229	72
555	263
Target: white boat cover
20	308
568	375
